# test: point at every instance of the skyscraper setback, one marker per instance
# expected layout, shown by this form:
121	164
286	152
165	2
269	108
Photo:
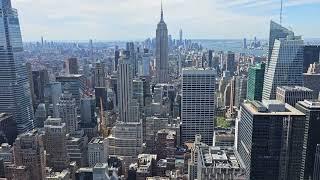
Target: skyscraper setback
15	95
162	51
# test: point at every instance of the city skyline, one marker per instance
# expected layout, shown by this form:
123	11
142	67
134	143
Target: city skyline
112	20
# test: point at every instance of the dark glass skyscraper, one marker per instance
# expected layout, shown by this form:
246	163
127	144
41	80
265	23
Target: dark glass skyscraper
311	54
15	95
271	140
312	111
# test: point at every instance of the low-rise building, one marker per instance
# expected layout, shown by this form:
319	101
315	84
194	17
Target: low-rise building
223	138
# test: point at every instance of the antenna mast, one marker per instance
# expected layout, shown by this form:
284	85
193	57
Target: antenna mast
281	12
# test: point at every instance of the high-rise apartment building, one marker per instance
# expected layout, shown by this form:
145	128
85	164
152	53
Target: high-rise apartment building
255	82
29	152
276	32
312	110
285	67
15	95
68	112
198	104
271	140
162	51
125	88
56	144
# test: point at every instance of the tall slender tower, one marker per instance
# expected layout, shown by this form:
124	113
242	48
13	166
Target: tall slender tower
125	87
162	50
15	95
285	66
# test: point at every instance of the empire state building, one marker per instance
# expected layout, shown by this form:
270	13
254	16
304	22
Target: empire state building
162	51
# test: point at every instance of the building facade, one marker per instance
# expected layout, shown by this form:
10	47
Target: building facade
271	140
162	51
56	144
125	79
292	94
15	95
255	82
198	104
312	110
285	67
68	112
29	152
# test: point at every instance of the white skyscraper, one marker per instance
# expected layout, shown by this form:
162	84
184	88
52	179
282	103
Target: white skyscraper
162	50
125	88
15	95
285	67
68	112
198	104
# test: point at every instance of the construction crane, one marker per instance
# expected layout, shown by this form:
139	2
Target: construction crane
104	131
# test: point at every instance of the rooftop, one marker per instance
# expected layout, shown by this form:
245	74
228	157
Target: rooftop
271	107
217	158
310	103
294	88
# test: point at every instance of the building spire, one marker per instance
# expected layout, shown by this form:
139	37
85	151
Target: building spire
281	12
161	12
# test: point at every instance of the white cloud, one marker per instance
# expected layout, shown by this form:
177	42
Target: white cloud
137	19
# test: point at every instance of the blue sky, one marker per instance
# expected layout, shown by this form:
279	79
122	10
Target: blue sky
137	19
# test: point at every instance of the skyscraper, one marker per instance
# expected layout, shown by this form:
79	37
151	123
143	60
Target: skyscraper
230	63
198	104
125	88
52	94
271	140
255	82
162	50
68	112
72	66
311	78
99	75
116	58
311	54
56	143
292	94
74	84
276	32
15	95
181	37
40	79
29	151
312	110
285	67
316	171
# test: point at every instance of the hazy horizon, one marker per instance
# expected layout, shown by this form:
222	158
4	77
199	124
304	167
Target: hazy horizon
137	19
